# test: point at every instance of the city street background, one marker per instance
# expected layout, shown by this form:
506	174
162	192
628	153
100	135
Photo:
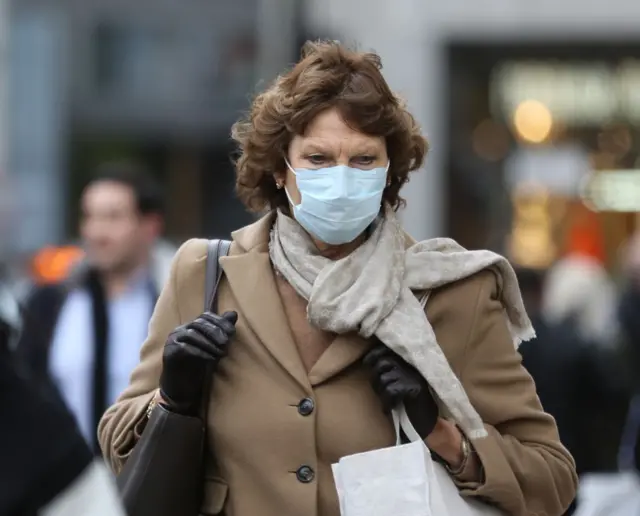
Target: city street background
531	110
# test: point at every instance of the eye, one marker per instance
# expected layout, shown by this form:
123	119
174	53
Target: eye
316	159
365	160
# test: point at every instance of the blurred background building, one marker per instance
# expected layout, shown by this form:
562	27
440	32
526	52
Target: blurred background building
530	108
159	82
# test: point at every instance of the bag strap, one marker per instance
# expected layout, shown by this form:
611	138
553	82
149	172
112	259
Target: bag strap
213	274
215	250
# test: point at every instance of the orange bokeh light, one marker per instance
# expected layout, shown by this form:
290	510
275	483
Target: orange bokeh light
53	264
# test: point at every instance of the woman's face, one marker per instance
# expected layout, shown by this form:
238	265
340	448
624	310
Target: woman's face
328	142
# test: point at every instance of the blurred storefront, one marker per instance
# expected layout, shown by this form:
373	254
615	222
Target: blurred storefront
544	153
441	57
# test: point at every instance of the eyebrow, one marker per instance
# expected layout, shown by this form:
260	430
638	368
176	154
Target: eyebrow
364	148
315	147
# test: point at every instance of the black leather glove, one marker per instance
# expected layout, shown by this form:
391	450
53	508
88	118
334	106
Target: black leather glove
191	356
396	381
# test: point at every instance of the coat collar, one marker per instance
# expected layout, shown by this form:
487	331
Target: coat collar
255	237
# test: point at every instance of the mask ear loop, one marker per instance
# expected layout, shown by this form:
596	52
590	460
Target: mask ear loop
283	186
289	166
280	184
286	191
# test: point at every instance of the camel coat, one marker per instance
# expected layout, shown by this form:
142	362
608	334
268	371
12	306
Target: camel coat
279	417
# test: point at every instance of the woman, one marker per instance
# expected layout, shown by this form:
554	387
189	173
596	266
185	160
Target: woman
316	296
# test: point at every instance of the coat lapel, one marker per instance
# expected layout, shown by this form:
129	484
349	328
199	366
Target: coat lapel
343	352
252	282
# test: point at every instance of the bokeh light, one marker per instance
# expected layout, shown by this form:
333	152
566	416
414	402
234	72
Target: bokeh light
533	121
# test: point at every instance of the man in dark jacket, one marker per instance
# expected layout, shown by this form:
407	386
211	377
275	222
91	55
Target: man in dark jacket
85	334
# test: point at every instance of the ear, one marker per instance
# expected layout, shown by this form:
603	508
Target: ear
279	178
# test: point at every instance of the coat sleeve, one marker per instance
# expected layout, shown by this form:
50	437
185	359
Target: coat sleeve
122	424
526	468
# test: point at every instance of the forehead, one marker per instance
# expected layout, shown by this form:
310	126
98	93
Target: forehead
108	195
329	129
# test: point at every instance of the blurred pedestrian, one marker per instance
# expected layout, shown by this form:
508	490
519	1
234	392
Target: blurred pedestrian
85	332
46	467
629	341
579	289
322	325
577	381
618	493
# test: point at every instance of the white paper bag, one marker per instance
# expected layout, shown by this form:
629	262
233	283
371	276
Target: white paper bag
400	481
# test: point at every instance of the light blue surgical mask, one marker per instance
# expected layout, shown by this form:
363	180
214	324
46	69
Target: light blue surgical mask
338	203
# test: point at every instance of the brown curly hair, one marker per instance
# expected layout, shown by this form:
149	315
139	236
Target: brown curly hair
328	75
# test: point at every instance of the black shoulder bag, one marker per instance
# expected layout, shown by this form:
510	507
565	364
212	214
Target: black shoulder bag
164	474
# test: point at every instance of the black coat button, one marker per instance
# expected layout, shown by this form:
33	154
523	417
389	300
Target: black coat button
305	474
306	406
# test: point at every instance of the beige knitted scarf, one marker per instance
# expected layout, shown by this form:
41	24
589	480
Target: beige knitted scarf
372	291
